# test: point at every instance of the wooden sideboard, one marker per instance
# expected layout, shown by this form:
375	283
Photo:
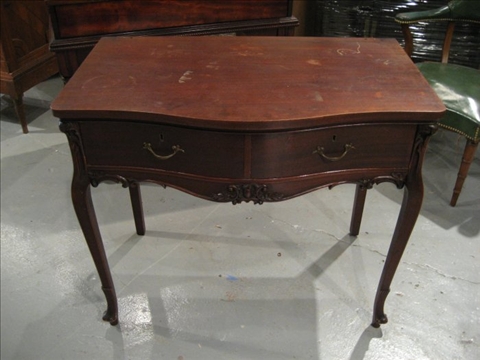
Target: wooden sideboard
79	24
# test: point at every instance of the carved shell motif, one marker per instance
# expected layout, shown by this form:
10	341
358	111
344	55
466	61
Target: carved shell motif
247	192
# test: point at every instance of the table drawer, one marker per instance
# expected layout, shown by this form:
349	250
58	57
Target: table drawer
342	148
206	153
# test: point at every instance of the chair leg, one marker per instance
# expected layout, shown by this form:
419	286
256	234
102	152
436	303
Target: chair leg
18	104
468	155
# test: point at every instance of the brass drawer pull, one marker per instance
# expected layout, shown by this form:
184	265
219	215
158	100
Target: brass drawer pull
320	150
175	148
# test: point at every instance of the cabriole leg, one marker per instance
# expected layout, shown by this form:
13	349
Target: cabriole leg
412	202
82	202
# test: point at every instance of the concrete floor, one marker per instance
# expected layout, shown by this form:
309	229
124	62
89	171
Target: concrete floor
216	281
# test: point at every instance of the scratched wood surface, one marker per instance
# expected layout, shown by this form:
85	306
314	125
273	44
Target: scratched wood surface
249	83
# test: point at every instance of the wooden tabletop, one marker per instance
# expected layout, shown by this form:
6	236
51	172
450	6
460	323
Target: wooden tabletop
249	83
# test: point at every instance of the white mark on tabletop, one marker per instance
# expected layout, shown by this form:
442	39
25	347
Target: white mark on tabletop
185	77
103	84
246	50
317	96
384	62
343	52
250	53
213	65
314	62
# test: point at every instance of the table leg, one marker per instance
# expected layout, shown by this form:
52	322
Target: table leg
358	205
412	202
411	205
82	202
136	199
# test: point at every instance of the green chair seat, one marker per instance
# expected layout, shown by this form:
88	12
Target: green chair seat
459	88
463	10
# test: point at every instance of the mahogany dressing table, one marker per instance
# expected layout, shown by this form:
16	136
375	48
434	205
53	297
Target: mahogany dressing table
247	119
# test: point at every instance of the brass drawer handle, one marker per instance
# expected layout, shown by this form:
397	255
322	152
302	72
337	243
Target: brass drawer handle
320	150
175	148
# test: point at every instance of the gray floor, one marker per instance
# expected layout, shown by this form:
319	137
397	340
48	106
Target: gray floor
216	281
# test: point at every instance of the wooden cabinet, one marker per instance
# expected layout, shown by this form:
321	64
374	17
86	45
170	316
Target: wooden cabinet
25	57
79	24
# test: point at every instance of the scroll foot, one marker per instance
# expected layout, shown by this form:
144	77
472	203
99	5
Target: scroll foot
379	320
111	317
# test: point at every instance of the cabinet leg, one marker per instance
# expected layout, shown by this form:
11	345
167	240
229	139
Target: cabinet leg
358	205
412	202
20	111
136	199
82	202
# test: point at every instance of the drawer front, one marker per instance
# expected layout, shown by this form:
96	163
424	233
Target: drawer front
342	148
205	153
88	18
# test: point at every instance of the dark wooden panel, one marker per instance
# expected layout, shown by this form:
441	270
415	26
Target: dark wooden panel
25	56
107	17
79	24
28	25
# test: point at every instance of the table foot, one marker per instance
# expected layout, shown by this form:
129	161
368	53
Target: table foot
379	316
111	314
111	318
377	321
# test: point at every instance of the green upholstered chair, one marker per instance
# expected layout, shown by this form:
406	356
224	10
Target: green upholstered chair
458	86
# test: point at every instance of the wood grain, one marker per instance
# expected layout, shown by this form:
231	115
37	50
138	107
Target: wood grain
249	83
